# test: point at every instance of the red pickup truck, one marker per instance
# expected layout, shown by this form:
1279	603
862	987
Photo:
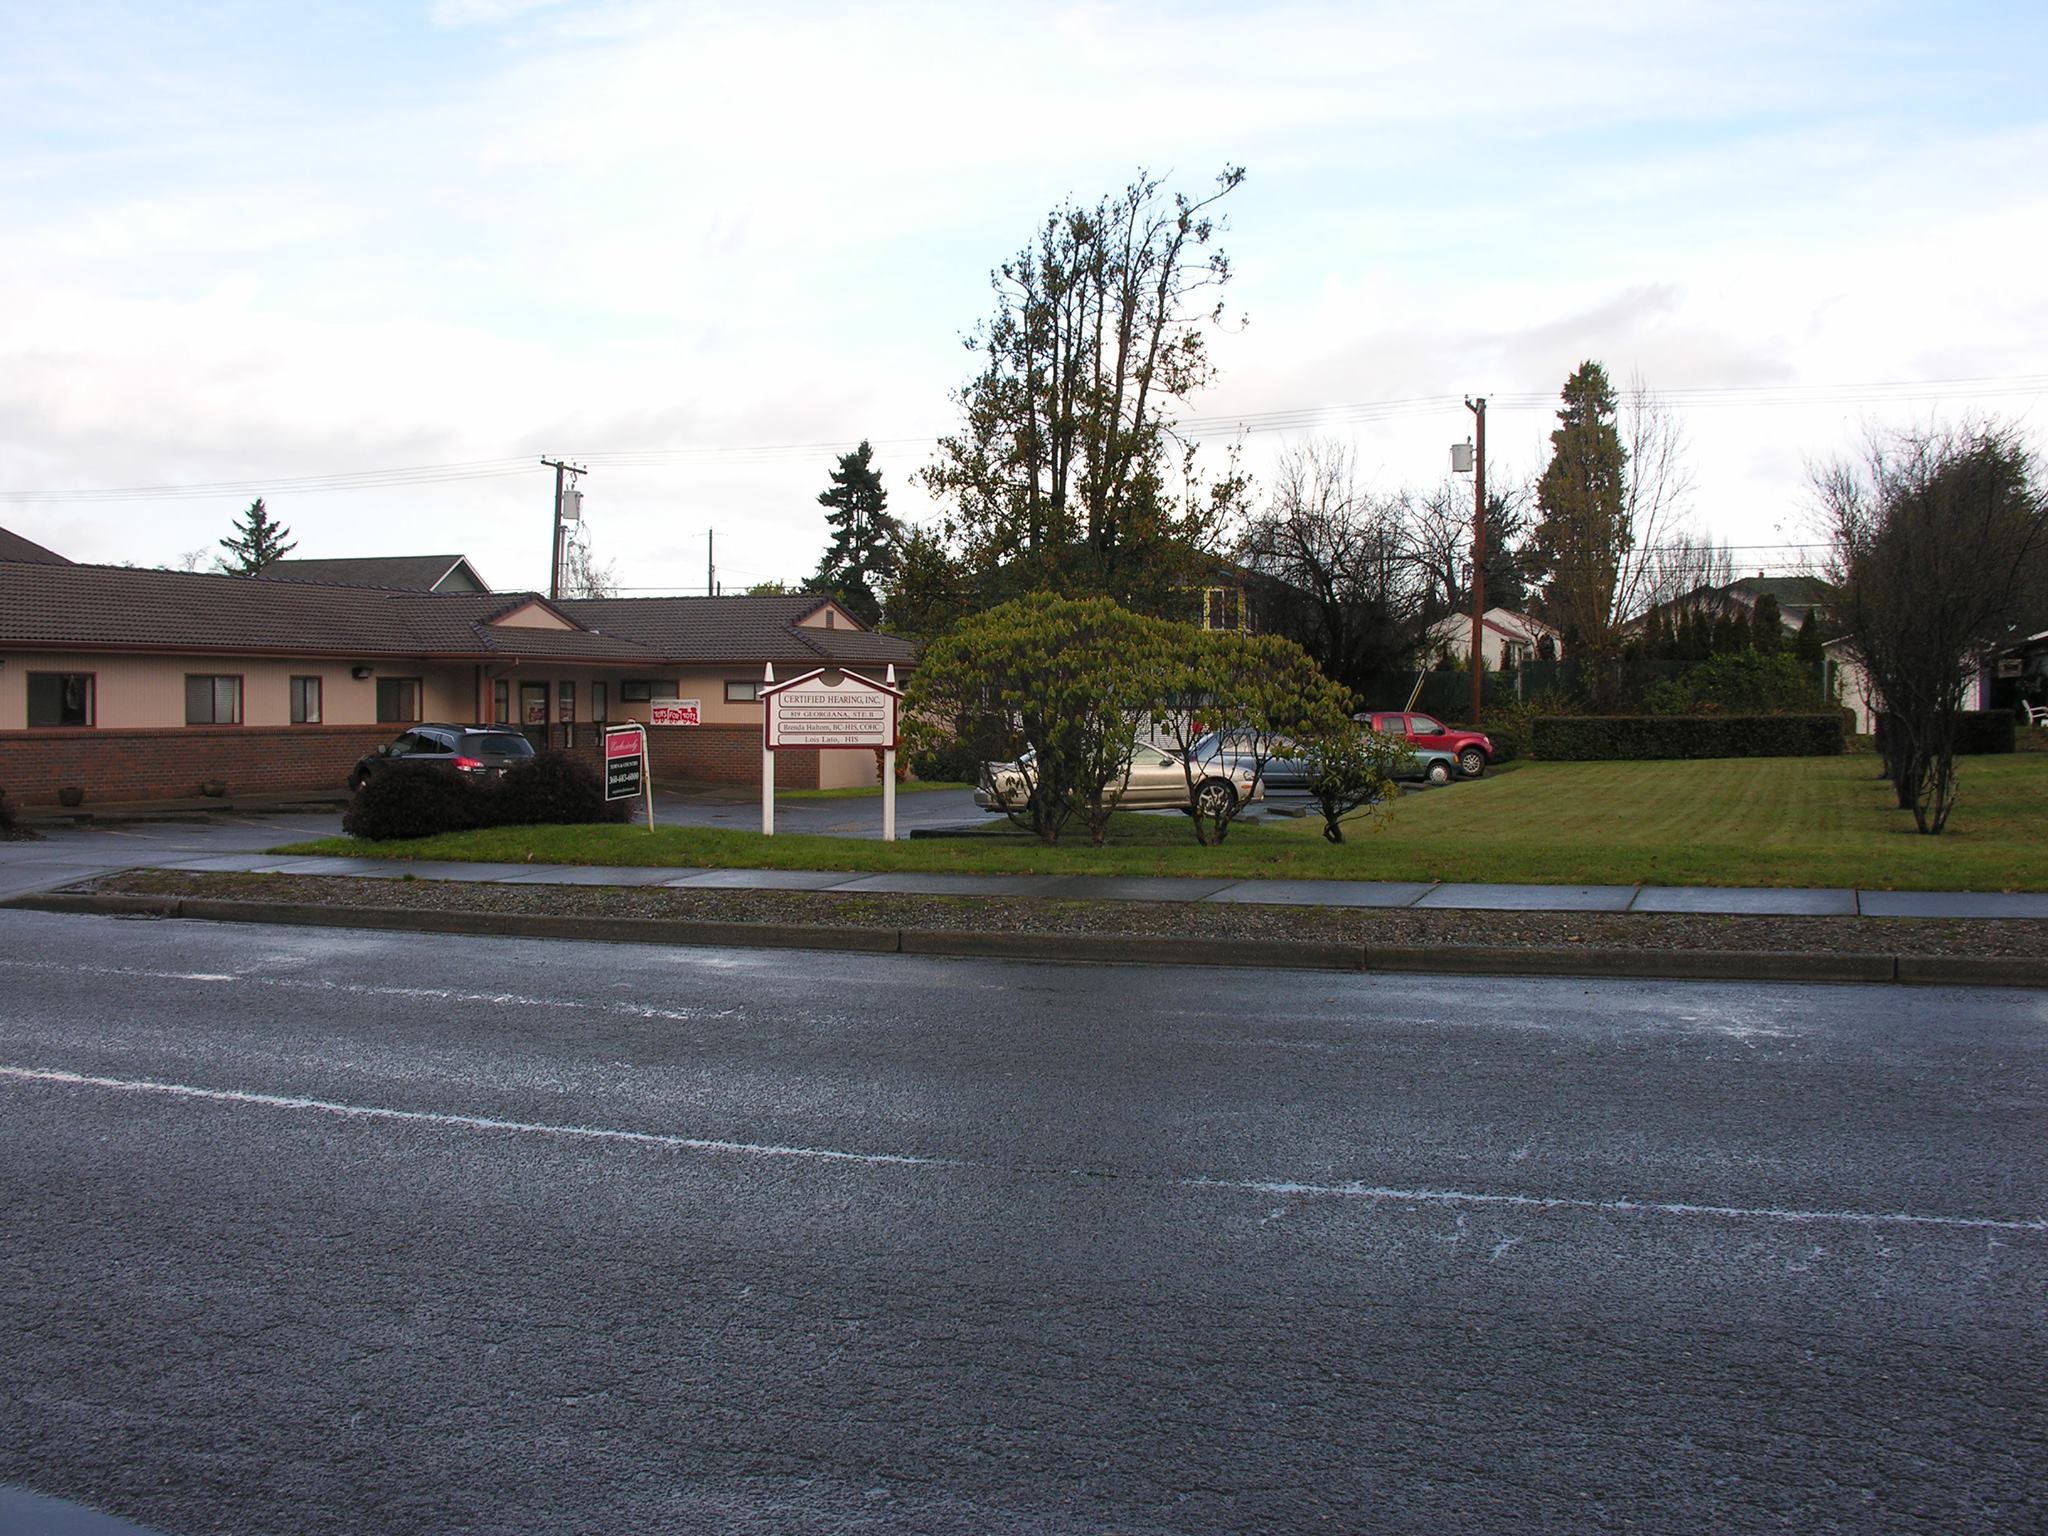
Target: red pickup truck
1473	749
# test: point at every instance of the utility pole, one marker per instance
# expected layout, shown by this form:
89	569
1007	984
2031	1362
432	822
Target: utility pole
710	562
1478	656
555	544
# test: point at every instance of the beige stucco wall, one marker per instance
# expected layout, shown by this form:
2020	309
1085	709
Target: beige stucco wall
149	692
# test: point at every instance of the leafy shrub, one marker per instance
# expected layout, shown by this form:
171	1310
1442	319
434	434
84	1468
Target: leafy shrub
6	817
1589	738
1979	732
551	788
1350	769
427	799
951	761
1738	683
1507	727
414	800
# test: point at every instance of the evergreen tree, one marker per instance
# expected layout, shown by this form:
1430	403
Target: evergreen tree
862	554
1767	627
258	542
1582	530
1808	646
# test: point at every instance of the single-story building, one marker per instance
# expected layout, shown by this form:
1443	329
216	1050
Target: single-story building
1506	638
137	684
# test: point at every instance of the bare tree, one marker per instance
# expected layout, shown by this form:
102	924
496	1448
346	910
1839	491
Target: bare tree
1661	560
1346	591
582	576
1438	543
1941	539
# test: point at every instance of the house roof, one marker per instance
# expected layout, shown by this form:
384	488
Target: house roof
415	573
103	608
14	547
735	629
98	607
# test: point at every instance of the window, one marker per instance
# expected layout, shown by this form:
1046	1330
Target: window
599	702
642	689
567	708
398	698
60	698
742	693
501	702
213	700
305	701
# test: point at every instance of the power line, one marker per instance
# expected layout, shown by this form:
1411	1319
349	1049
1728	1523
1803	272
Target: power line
1251	423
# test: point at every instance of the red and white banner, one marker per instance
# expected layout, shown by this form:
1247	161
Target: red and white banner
674	712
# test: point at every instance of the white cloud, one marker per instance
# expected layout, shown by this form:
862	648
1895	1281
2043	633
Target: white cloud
599	228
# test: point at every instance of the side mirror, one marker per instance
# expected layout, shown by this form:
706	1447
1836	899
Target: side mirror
385	750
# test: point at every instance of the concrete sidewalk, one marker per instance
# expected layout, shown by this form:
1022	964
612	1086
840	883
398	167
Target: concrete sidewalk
1759	902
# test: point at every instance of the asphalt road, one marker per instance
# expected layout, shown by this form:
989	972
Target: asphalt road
304	1230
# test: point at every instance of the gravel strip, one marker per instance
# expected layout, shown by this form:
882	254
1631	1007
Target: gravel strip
2023	938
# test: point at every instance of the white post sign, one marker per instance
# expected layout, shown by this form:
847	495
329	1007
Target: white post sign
829	710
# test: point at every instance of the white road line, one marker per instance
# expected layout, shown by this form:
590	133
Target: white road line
1377	1193
465	1122
359	989
1460	1197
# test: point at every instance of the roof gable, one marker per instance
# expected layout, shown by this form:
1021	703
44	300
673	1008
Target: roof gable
14	547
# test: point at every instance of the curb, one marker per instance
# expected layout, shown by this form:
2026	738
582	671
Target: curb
1106	949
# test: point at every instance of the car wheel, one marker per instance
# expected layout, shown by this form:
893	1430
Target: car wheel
1439	773
1215	798
1471	762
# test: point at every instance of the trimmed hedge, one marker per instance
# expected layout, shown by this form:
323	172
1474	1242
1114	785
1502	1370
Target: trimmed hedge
1979	732
1590	738
427	799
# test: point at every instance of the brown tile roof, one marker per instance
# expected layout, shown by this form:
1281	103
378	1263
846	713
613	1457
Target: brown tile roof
99	607
734	629
14	547
413	573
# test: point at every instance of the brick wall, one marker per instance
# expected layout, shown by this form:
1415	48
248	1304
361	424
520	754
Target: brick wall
724	754
112	766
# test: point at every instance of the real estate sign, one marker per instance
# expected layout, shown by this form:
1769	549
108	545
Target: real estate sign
675	712
625	762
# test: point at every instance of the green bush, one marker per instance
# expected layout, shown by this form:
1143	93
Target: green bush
426	799
1738	683
1507	727
414	800
550	789
1589	738
947	762
1979	732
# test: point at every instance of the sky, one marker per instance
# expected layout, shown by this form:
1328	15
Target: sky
374	262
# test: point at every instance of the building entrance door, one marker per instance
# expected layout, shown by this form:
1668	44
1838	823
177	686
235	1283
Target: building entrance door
533	714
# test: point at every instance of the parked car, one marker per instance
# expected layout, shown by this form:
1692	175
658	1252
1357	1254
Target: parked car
1471	750
487	750
1156	780
1427	765
1285	771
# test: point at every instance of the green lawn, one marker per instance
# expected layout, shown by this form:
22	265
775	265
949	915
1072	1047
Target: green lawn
865	791
1751	821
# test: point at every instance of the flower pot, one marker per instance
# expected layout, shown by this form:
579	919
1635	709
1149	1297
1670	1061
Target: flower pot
71	797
